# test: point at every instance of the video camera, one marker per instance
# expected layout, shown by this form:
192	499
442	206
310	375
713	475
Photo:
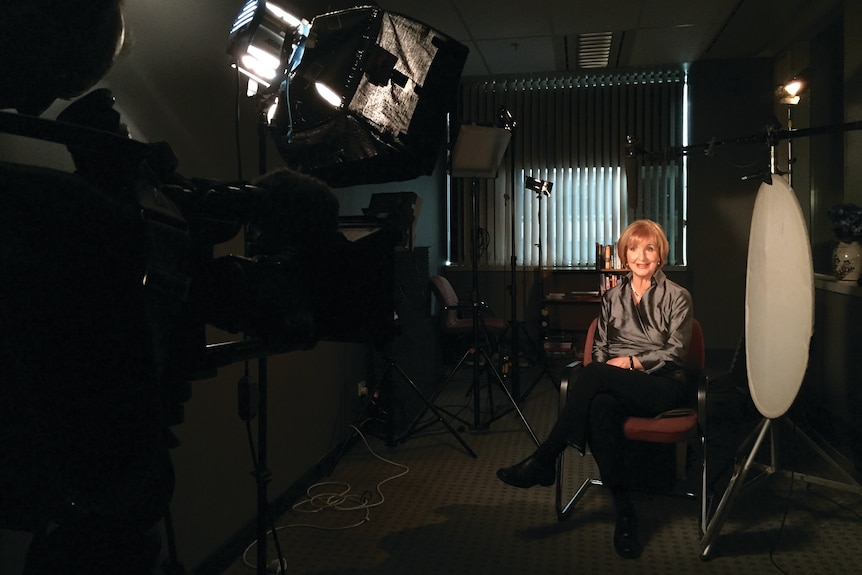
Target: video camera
300	280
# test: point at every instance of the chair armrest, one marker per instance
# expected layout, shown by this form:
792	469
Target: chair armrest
457	307
465	308
702	391
678	412
568	372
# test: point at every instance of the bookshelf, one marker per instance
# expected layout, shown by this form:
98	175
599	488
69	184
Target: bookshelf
571	301
610	277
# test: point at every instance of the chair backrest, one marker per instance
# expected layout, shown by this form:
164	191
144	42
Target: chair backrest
446	298
695	360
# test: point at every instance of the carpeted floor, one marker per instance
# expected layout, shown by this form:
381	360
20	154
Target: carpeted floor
425	506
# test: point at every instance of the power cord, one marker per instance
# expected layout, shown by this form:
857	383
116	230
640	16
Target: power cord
775	542
334	500
837	504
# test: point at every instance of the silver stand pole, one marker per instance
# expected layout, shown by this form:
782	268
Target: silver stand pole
763	430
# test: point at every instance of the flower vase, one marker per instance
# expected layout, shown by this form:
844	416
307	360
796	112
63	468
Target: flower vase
847	261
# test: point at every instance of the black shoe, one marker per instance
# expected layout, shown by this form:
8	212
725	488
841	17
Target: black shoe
626	541
528	473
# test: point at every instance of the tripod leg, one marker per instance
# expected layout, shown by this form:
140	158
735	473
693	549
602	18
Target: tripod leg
837	462
430	405
512	373
171	565
546	370
733	488
511	399
414	426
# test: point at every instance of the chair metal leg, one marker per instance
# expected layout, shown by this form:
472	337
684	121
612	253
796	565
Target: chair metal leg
704	493
564	510
681	451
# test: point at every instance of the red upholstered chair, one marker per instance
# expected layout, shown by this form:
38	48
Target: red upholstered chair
456	317
678	426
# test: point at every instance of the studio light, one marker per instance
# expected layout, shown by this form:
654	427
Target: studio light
328	94
263	41
357	96
541	187
479	150
367	101
790	92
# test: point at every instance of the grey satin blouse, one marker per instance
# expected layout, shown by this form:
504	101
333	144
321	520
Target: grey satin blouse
656	331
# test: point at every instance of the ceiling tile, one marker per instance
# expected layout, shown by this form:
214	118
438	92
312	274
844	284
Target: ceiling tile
525	55
658	46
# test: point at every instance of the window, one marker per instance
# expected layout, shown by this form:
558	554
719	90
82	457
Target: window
572	132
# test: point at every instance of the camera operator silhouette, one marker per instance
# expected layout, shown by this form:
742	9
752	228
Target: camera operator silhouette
102	310
84	461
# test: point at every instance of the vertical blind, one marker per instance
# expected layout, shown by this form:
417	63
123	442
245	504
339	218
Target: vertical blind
571	131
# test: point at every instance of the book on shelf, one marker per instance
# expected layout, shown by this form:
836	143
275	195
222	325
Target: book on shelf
606	257
562	343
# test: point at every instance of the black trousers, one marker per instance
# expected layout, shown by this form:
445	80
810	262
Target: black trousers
600	398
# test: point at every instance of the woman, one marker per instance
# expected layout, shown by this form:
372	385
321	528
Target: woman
641	341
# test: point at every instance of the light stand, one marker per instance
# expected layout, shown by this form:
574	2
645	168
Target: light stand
479	352
515	328
755	440
260	51
262	473
477	154
776	320
542	189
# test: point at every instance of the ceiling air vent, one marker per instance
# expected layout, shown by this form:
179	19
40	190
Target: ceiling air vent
594	49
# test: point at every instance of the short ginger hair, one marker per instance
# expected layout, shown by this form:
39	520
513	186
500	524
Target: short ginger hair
643	231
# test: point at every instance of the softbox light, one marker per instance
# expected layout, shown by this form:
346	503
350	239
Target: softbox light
479	151
393	80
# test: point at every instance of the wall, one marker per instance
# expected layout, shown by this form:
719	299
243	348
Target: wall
829	398
852	96
731	102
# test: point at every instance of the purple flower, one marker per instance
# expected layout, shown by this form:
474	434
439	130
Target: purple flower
846	221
